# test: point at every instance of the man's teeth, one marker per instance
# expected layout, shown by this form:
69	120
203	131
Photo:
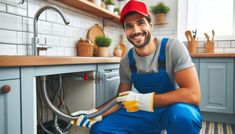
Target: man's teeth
137	37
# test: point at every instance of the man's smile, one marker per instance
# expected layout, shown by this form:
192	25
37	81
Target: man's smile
138	37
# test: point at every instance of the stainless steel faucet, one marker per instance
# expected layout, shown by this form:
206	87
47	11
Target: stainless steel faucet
35	40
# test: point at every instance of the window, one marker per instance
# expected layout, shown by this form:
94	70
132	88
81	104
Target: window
205	15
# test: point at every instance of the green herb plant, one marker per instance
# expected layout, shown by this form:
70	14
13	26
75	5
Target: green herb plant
117	10
103	41
109	2
160	8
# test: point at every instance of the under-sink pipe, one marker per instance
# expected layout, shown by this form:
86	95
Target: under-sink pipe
64	115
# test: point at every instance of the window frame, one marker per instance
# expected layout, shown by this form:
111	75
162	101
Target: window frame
182	22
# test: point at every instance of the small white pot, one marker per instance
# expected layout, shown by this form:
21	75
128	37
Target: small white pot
110	8
103	51
97	2
116	12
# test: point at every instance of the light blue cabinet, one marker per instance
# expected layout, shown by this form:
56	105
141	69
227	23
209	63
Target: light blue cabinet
10	110
196	64
17	107
216	79
108	82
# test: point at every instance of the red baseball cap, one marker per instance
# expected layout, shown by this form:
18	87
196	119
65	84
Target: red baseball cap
133	6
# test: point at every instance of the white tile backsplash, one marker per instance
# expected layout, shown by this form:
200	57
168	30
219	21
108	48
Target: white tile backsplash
51	51
17	10
21	50
52	16
51	40
16	29
229	50
19	36
3	7
60	50
233	44
70	15
224	44
71	32
63	41
10	22
8	36
33	6
44	27
70	51
28	24
218	50
58	29
27	37
6	49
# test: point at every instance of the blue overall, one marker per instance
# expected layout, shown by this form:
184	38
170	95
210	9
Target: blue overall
179	118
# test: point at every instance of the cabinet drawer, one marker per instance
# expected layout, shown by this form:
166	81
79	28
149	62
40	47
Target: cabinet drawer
9	73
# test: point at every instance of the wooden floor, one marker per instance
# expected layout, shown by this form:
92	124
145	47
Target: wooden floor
216	128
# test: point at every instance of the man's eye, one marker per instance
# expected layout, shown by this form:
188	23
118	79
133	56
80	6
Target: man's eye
141	22
128	26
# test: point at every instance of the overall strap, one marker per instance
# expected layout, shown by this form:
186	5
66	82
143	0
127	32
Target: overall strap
162	56
132	61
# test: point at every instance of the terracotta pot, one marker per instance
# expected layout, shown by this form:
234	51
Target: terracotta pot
103	51
85	48
192	46
160	18
209	47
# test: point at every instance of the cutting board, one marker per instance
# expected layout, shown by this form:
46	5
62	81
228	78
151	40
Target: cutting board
122	45
92	33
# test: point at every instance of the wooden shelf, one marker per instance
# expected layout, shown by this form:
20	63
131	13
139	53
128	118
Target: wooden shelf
90	7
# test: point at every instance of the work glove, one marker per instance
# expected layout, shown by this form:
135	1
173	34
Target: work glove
83	121
133	101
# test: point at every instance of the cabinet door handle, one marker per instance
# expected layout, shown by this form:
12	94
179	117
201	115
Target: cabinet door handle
5	89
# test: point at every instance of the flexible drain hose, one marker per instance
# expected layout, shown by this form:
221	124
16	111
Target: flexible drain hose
66	116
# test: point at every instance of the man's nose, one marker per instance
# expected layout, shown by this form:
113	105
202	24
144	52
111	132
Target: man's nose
136	29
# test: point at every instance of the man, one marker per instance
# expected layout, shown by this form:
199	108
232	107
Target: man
164	75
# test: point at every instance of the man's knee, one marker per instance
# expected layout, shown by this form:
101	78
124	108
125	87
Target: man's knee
96	128
184	115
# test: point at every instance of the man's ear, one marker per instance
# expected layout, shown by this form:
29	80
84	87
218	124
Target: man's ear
151	25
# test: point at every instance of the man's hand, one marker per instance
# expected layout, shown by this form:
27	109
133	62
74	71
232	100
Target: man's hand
83	121
133	101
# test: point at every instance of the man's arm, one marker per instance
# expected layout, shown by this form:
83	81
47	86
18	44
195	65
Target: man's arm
122	88
189	90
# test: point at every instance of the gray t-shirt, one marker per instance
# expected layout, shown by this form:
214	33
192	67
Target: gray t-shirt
177	58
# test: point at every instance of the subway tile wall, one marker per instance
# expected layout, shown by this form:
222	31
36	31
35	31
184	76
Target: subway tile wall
16	29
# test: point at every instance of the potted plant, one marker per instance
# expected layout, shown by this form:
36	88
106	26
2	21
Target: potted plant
110	5
103	42
160	10
116	11
96	2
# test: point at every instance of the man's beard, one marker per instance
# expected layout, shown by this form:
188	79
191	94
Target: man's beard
146	40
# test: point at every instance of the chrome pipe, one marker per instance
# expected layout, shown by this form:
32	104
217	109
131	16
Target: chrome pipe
64	115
